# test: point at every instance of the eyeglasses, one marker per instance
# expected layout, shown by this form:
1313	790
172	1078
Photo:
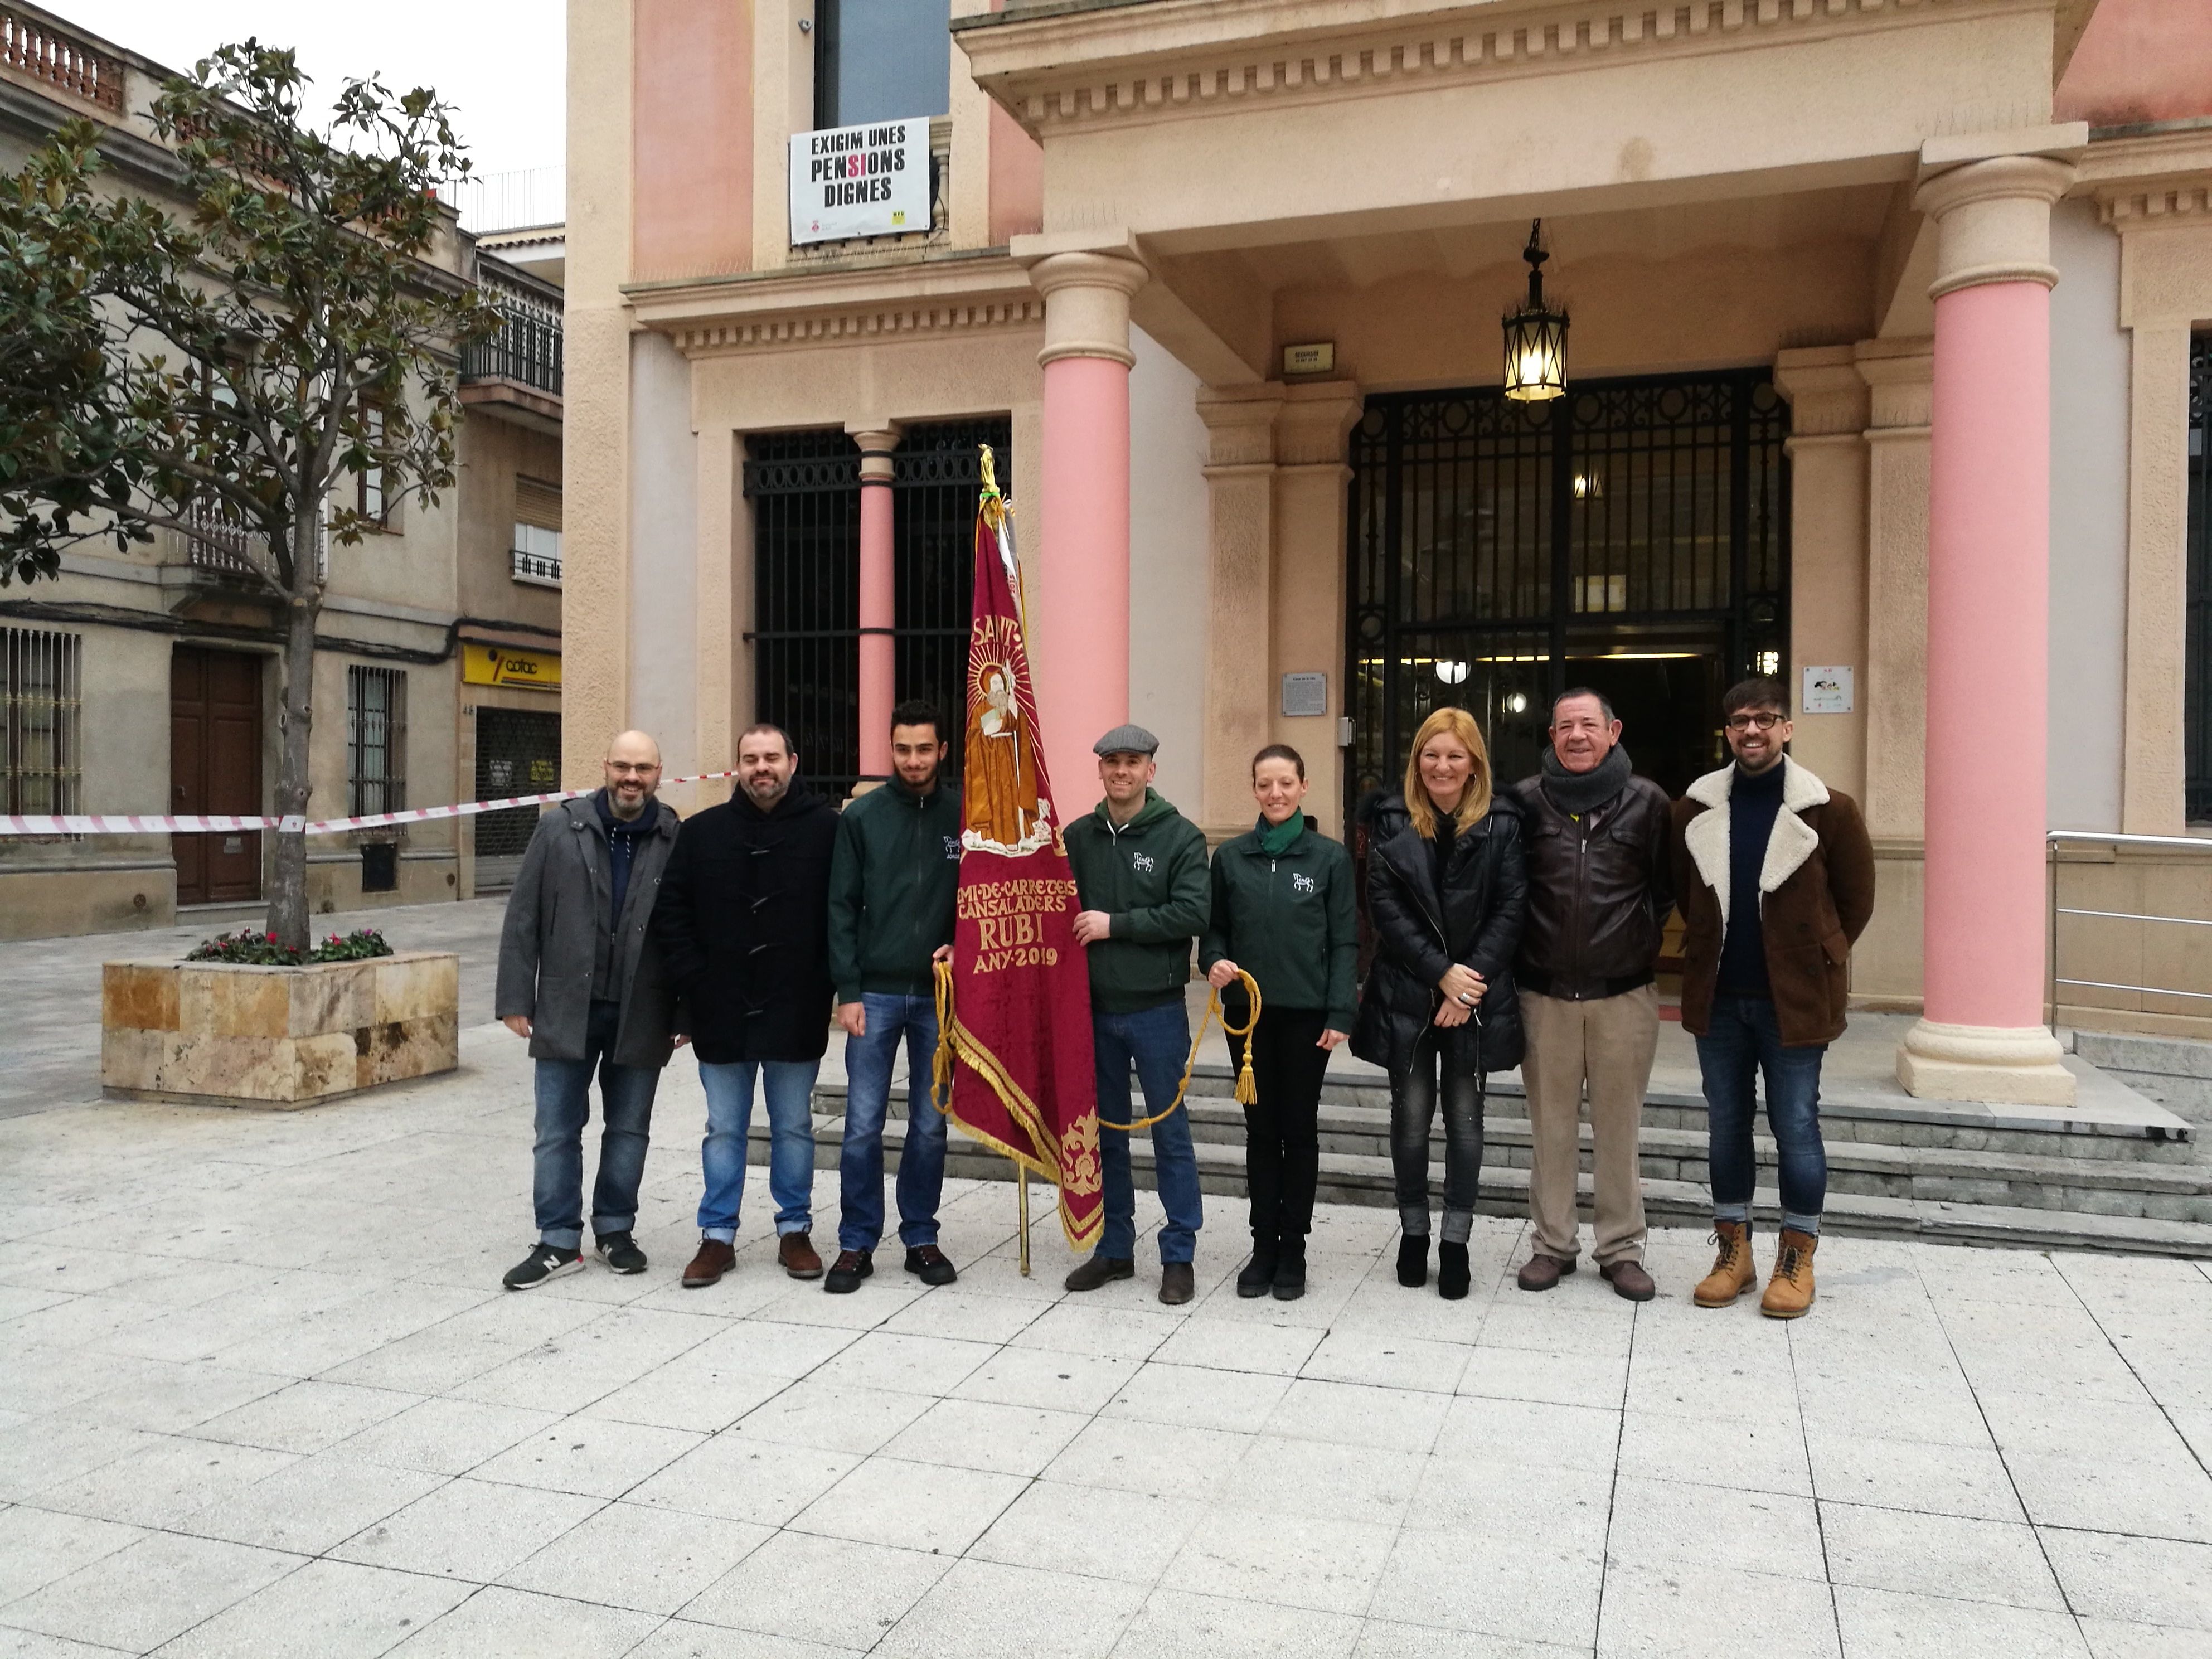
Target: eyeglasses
1763	720
643	768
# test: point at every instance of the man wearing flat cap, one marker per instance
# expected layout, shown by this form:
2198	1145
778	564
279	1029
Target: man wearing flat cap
1140	874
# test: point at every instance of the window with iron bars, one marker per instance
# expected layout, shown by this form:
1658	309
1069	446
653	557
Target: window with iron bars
2196	672
376	740
804	488
41	753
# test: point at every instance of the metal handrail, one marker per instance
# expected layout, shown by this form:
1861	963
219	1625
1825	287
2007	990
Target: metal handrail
2107	838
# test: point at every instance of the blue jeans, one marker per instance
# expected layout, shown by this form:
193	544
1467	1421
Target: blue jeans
789	1085
1744	1040
867	1098
564	1103
1159	1041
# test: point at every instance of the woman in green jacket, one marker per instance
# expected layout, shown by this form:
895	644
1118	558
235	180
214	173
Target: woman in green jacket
1282	912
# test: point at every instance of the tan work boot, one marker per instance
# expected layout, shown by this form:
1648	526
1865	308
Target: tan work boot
1733	1271
1790	1292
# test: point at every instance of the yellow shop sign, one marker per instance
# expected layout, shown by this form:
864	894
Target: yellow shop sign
501	665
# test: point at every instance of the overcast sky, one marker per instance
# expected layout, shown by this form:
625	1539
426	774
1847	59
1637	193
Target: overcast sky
500	63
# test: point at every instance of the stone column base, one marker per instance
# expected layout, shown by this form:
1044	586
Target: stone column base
2004	1064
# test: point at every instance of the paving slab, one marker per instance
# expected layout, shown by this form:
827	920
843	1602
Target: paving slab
297	1414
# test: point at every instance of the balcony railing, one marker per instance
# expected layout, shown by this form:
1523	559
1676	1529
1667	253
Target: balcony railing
527	347
539	568
215	540
45	53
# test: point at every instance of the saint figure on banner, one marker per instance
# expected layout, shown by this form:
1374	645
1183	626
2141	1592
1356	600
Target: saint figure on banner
999	790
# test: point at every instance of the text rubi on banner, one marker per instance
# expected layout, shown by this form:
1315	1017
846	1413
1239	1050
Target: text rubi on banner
1015	1002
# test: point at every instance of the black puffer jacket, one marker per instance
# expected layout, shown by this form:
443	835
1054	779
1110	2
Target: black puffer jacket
743	925
1419	933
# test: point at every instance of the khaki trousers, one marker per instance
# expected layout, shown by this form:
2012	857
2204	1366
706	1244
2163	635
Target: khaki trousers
1608	1044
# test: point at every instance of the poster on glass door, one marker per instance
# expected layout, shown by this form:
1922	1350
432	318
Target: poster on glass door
871	180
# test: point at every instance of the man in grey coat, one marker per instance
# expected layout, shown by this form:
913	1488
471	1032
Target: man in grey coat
580	977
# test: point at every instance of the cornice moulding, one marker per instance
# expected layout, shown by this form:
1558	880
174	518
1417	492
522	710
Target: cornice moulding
781	310
1117	65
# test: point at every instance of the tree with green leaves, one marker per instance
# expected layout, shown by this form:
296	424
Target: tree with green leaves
228	367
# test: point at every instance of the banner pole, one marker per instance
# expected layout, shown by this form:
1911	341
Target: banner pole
1022	1180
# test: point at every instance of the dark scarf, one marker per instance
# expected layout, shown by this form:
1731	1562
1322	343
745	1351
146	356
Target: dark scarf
1577	792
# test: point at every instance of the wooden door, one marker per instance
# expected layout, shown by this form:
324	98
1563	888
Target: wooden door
215	766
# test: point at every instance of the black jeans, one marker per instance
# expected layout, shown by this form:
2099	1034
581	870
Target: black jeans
1413	1110
1282	1128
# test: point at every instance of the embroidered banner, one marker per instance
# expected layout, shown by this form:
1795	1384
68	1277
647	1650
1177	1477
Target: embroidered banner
1019	1025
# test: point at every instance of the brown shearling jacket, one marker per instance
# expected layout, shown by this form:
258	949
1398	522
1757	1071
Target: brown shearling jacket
1816	894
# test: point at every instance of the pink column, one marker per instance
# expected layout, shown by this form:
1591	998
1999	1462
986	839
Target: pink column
1989	584
1988	555
879	602
1078	555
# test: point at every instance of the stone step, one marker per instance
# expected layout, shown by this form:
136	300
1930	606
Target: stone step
1911	1196
2175	1072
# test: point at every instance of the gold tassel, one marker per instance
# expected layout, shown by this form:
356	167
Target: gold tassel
940	1065
1248	1091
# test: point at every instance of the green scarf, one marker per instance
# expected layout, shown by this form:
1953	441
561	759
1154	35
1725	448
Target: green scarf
1277	839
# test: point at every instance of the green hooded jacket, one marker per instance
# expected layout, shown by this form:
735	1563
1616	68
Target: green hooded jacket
1290	920
1150	875
894	874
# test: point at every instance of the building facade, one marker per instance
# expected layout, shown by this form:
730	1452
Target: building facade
146	681
1878	376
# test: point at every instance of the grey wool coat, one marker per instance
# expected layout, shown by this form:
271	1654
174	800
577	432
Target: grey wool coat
550	937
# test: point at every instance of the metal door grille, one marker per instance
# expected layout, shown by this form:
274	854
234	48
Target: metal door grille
1498	546
804	488
41	752
935	476
518	753
2196	674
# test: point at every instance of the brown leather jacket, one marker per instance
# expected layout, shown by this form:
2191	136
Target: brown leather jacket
1815	897
1599	892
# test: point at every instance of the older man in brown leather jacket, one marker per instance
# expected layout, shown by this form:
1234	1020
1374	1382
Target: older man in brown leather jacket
1600	886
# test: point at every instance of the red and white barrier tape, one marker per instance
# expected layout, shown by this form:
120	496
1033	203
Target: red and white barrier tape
111	823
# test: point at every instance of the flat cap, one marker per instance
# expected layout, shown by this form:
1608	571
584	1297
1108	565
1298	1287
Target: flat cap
1126	740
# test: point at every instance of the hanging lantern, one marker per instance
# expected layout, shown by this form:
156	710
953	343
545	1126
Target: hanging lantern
1535	335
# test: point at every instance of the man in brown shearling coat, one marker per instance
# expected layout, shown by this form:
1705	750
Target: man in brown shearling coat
1775	876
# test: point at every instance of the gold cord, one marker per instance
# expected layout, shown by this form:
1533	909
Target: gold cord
1247	1091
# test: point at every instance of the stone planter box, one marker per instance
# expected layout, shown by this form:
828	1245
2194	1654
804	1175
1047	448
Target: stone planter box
216	1034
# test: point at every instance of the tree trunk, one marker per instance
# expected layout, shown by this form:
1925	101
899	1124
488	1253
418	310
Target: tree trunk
287	887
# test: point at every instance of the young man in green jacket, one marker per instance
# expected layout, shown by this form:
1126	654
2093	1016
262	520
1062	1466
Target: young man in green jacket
1141	875
894	876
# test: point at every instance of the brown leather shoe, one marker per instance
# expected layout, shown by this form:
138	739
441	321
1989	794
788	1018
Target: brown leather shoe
1541	1272
1177	1285
1733	1271
1790	1292
795	1255
1629	1279
1100	1269
714	1258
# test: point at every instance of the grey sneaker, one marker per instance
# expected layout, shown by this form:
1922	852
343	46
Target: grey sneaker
620	1252
544	1261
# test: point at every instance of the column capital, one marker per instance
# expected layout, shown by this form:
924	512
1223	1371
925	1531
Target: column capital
1826	394
1900	377
876	439
1993	216
1086	301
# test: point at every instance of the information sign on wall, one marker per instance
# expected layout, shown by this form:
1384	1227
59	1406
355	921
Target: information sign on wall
1304	695
500	665
1828	690
871	180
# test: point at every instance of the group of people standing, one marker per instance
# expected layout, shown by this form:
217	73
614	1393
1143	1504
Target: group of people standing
1512	928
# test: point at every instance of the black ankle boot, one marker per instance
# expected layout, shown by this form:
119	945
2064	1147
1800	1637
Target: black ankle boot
1259	1271
1413	1260
1290	1270
1452	1276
